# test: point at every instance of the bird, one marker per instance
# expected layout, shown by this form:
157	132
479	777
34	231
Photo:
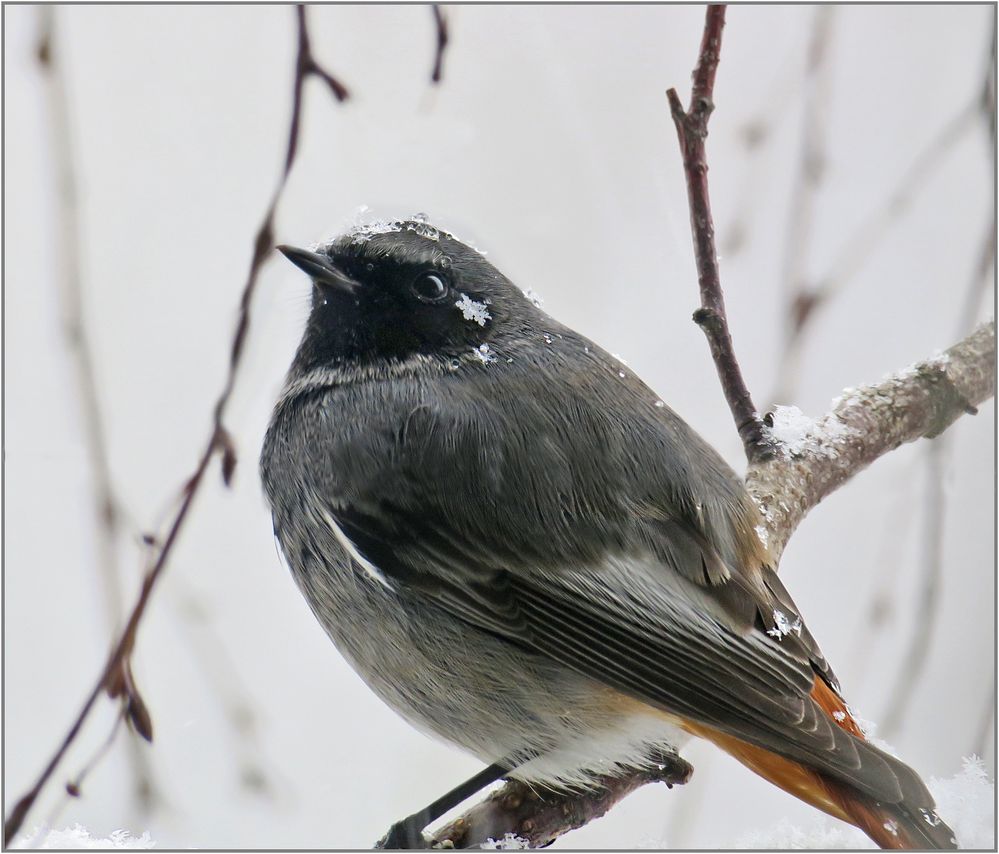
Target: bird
525	552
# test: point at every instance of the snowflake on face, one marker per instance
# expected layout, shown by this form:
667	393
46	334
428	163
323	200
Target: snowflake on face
477	312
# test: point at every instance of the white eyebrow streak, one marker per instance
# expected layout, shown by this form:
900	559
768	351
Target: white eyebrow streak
351	549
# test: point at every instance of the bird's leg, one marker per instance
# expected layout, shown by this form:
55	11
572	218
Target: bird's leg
408	833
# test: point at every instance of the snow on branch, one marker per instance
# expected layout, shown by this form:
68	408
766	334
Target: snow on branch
815	458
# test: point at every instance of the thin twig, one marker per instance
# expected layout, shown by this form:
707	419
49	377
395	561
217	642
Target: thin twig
115	677
74	787
692	130
440	26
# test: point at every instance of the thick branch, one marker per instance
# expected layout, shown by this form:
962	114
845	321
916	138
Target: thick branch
539	818
692	130
868	422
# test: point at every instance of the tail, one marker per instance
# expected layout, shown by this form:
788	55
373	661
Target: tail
909	823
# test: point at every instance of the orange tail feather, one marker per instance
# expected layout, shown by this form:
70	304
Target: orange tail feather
888	825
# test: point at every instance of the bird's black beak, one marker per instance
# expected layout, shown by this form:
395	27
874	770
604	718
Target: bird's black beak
319	267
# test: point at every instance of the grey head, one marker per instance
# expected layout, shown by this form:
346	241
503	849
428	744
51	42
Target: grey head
394	290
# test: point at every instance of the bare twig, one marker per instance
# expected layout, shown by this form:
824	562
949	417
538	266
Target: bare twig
440	26
115	678
692	130
74	787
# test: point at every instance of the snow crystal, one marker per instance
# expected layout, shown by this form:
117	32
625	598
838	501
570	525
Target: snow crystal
967	803
361	232
547	337
535	298
509	842
795	433
660	405
78	837
823	834
783	626
840	716
484	354
761	532
472	310
621	374
420	225
364	232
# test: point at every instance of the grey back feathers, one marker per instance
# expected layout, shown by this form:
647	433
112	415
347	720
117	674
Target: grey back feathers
483	508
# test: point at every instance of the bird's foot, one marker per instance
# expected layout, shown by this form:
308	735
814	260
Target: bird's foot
405	835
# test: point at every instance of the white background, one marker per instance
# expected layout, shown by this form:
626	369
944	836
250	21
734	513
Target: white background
550	144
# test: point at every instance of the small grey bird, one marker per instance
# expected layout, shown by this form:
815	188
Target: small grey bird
525	552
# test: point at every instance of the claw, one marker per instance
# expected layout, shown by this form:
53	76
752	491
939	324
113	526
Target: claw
404	835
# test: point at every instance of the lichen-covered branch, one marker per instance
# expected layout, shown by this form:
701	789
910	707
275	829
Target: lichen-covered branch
539	818
868	422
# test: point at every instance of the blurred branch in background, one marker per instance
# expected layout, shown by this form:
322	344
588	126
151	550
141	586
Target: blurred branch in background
938	457
440	27
221	674
116	678
811	170
107	510
986	723
755	136
809	296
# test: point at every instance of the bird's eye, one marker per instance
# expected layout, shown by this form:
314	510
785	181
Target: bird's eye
429	287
